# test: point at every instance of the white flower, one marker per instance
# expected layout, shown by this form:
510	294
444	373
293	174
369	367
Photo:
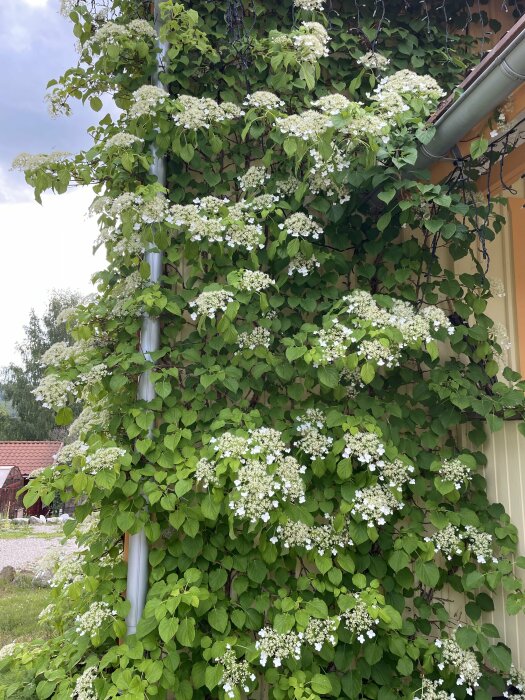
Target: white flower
373	61
255	281
94	618
208	303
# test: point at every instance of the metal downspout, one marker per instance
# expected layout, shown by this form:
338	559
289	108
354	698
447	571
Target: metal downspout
488	91
137	578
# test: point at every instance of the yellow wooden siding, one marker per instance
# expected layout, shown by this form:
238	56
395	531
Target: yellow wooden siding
505	450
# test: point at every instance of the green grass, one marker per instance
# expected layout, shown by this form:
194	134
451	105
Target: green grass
20	605
24	532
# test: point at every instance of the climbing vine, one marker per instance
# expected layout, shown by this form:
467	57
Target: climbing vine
301	473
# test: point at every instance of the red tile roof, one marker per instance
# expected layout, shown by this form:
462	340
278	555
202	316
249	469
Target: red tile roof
28	456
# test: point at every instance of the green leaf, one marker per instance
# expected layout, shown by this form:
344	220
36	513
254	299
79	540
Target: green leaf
328	376
218	619
212	676
95	103
186	632
466	637
500	657
368	372
293	353
427	573
478	148
64	416
321	684
125	521
167	628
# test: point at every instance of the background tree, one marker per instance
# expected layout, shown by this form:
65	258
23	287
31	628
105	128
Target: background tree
28	419
297	472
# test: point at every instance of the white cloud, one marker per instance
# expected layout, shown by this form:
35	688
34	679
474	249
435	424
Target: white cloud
36	3
43	248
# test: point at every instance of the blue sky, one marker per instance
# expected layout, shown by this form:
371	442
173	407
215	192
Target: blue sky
46	247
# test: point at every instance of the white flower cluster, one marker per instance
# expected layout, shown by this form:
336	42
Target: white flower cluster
54	392
122	295
497	287
396	474
374	503
259	491
201	112
373	61
480	544
308	125
310	42
69	571
352	381
447	541
381	354
451	541
516	680
464	662
143	211
267	475
146	100
321	538
287	187
300	225
254	178
303	265
61	352
8	650
254	281
92	620
334	341
402	315
208	303
84	689
456	471
263	99
90	418
318	632
366	447
359	621
279	647
92	377
27	162
332	104
309	5
103	458
236	674
406	83
321	175
48	614
122	140
313	442
258	337
112	33
234	446
205	472
432	690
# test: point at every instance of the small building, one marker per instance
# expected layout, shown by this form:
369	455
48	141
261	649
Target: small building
27	457
11	481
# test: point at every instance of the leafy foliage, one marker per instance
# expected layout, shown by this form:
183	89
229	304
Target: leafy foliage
298	471
28	419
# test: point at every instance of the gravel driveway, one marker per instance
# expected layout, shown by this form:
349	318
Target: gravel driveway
29	552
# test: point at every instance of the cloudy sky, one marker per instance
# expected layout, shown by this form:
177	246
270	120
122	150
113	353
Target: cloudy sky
42	247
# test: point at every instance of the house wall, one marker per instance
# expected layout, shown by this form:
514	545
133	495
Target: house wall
505	450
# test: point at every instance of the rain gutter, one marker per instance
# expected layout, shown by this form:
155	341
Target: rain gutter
137	577
495	78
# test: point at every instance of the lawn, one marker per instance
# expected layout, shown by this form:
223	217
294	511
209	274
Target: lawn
20	605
